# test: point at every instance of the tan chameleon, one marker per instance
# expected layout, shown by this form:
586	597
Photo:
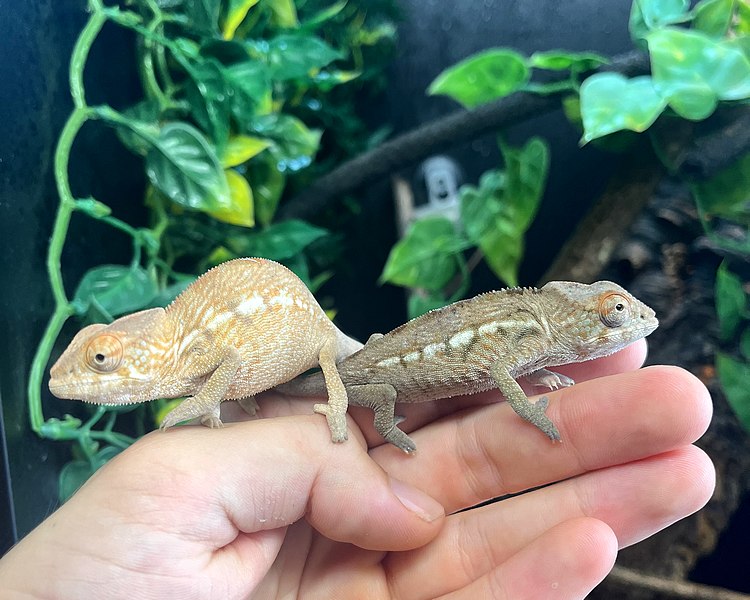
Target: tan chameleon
487	342
241	328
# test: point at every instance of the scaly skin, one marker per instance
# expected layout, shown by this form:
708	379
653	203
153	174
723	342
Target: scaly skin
243	327
487	342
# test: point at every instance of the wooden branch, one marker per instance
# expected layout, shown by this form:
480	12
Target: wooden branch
434	137
590	248
671	588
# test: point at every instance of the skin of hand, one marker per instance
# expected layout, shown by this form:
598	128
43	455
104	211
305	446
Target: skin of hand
270	508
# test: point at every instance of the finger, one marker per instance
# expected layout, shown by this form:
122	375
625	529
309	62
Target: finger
566	562
635	500
489	451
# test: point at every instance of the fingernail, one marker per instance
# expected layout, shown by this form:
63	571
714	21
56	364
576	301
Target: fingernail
424	506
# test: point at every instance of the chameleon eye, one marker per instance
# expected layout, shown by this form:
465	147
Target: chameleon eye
614	309
104	353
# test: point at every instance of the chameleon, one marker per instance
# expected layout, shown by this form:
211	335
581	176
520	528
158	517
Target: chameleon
487	342
245	326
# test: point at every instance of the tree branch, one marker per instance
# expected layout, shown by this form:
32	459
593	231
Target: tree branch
436	136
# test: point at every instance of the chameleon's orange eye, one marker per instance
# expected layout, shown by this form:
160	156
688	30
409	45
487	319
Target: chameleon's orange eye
104	353
614	309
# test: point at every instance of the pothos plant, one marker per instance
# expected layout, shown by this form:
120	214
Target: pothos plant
239	96
700	58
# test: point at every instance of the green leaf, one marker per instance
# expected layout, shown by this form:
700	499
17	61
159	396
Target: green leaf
325	81
169	293
186	170
693	71
324	15
733	376
293	56
268	184
281	241
242	148
251	86
742	24
611	102
657	13
115	288
203	15
419	304
727	193
240	211
284	13
497	214
731	301
236	13
294	145
427	257
146	114
209	98
483	77
74	474
560	60
745	343
713	17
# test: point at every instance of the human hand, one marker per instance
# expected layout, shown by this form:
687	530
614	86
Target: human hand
272	508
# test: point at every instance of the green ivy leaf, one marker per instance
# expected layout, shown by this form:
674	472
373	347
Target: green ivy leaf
146	114
251	86
497	214
281	241
240	211
427	257
115	288
650	14
184	167
726	193
203	15
745	344
294	56
713	17
559	60
169	293
693	71
283	13
294	145
324	15
611	102
236	13
733	376
419	304
242	148
731	301
209	98
483	77
74	474
268	184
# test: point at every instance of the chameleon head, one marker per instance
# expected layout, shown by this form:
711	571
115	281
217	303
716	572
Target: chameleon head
110	364
600	318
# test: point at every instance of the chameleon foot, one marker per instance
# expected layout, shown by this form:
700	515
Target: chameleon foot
249	405
399	439
549	379
536	416
336	422
212	421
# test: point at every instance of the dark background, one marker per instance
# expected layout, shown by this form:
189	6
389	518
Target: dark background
36	39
